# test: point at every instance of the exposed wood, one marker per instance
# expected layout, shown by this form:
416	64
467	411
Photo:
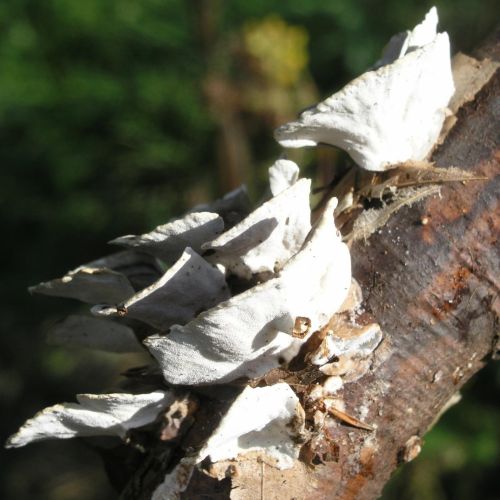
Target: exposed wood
433	288
430	279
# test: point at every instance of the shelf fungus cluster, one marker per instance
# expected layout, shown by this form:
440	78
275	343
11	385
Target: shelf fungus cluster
230	298
199	330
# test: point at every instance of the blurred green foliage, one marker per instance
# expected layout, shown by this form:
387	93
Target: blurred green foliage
107	128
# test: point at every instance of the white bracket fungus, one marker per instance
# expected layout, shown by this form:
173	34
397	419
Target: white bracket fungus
252	333
330	386
269	236
88	284
359	341
110	279
190	285
388	116
140	268
93	415
168	241
402	43
94	333
267	420
282	175
232	207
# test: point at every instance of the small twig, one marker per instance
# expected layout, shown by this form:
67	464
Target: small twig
423	182
344	417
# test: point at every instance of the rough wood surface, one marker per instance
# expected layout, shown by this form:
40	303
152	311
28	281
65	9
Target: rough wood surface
430	279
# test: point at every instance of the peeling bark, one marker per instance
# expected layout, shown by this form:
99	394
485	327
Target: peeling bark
430	279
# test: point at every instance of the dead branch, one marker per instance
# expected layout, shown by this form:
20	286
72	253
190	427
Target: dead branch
430	279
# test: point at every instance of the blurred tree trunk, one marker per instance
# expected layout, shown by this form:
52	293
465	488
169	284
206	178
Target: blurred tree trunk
231	141
430	279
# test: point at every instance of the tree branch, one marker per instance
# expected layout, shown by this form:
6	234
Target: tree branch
429	278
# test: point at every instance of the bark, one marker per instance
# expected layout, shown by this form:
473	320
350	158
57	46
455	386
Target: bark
430	279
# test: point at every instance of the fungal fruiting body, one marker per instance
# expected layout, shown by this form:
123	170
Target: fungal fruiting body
189	285
93	415
167	242
268	237
266	420
263	422
251	333
170	287
390	115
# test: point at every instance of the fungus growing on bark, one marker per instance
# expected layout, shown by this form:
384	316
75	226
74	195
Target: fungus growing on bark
282	175
204	333
269	236
264	422
168	241
252	332
93	415
108	279
390	115
89	284
189	285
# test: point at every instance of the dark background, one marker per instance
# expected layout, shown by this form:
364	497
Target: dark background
118	114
